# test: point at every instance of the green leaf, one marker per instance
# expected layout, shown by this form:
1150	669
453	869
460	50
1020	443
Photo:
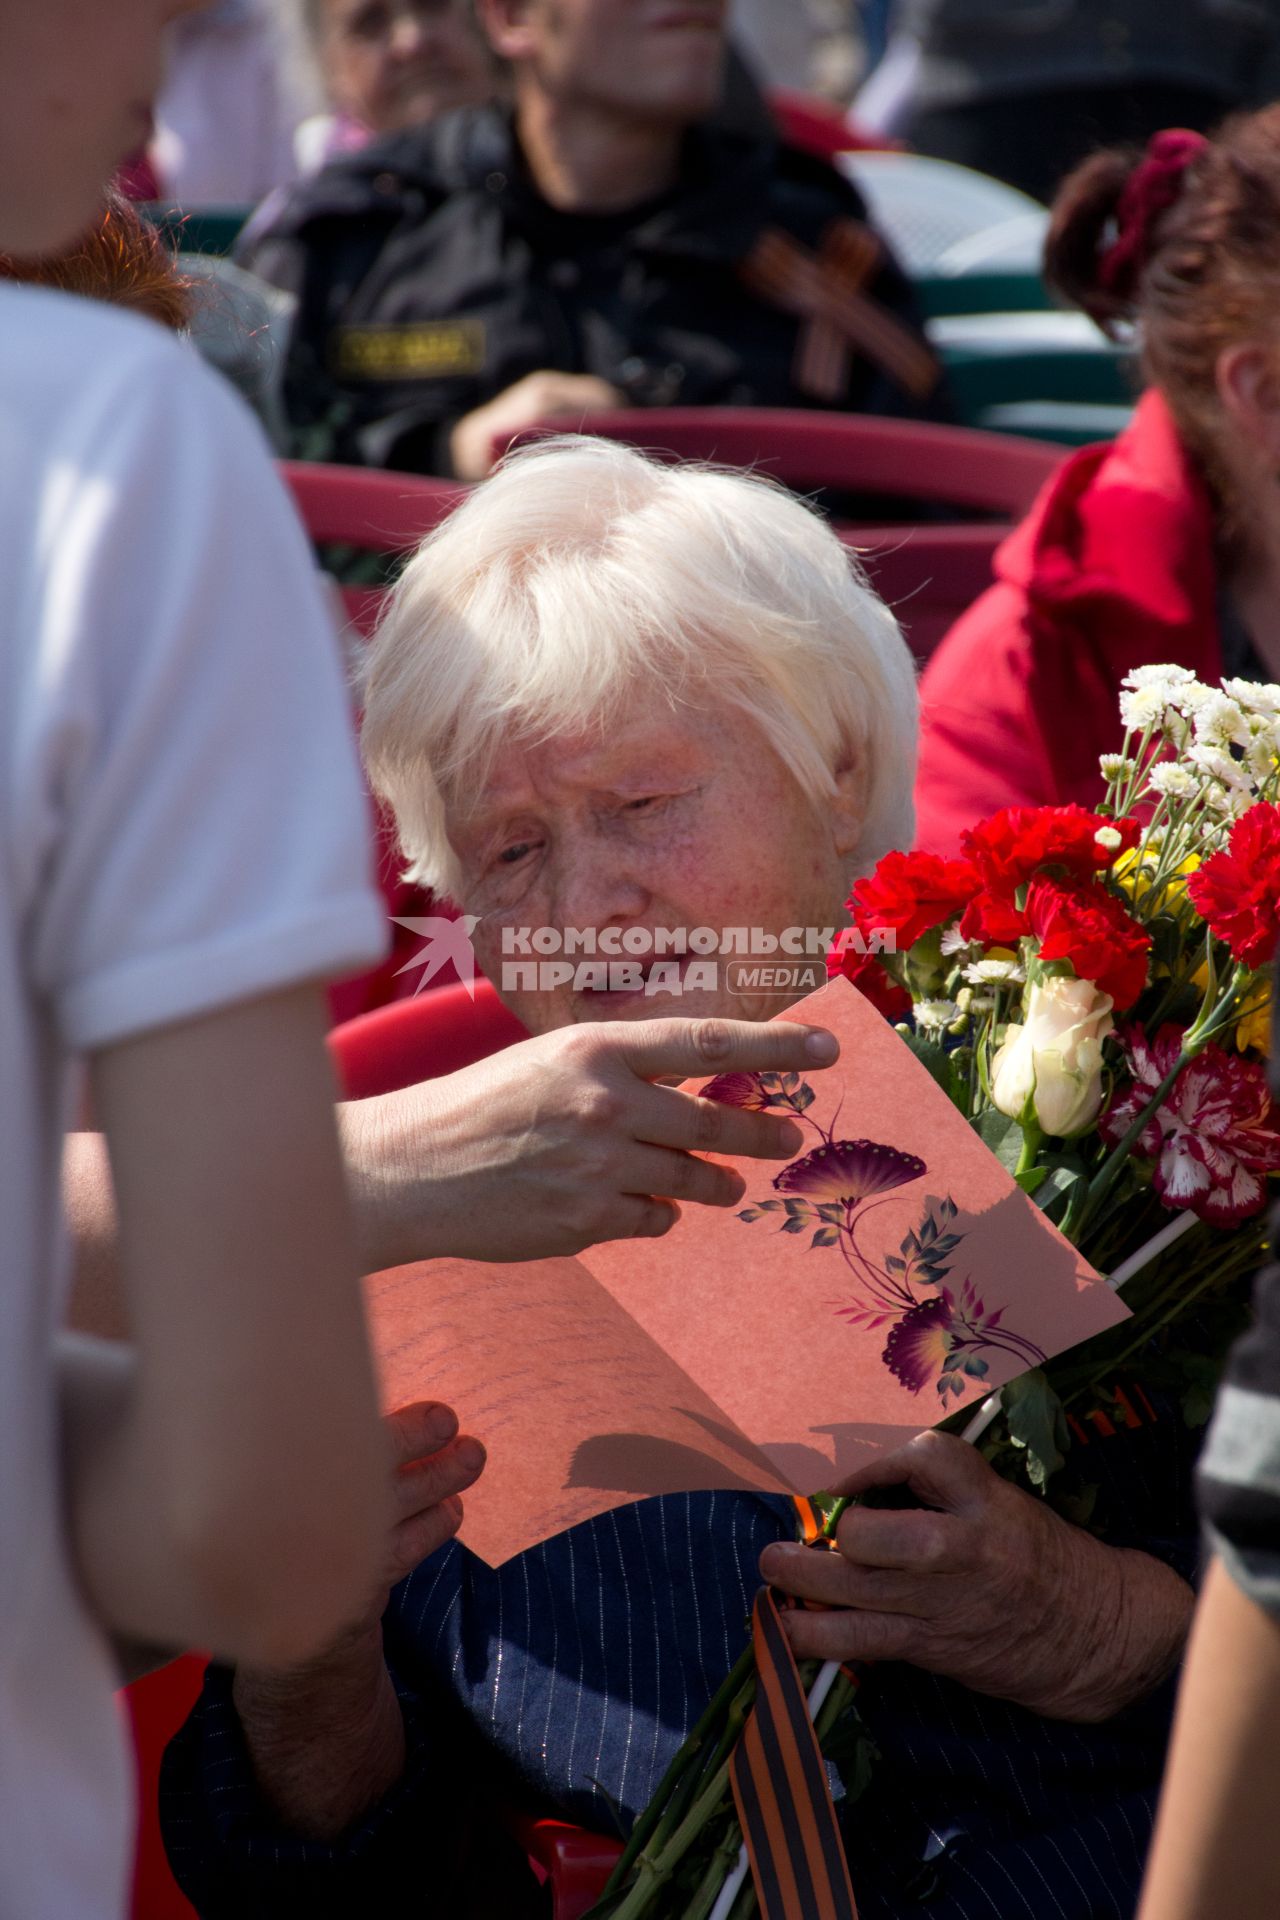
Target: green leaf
825	1237
895	1265
1036	1422
1033	1178
792	1225
937	1063
1064	1173
749	1214
803	1097
1003	1135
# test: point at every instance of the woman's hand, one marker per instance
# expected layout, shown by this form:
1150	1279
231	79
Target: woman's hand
988	1586
327	1738
563	1141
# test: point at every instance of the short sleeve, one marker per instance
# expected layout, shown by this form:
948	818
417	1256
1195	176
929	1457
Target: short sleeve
194	829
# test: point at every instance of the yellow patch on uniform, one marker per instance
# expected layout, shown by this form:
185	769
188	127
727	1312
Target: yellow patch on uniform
427	350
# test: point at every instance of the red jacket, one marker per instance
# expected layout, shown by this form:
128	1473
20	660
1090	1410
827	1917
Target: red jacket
1113	568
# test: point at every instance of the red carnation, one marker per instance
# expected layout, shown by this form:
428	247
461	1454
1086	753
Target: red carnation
1018	842
993	919
1237	891
909	894
871	980
1085	925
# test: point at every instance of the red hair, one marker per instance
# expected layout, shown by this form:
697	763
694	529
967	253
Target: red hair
122	260
1184	240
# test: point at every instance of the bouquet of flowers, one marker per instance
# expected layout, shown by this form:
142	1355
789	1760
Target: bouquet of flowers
1092	991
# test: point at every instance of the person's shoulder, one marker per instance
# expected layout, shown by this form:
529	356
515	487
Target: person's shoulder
806	182
68	359
110	393
412	170
43	323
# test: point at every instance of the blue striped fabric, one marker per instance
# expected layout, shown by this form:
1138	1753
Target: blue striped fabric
585	1661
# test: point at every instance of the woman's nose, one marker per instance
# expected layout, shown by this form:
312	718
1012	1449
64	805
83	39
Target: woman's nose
591	892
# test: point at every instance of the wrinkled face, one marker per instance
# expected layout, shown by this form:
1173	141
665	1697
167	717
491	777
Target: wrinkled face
660	59
77	82
670	819
393	64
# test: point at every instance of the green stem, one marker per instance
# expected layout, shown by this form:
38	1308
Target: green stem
687	1762
1031	1139
719	1867
1117	1160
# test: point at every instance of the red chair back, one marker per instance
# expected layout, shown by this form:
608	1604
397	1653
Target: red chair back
929	576
372	511
958	467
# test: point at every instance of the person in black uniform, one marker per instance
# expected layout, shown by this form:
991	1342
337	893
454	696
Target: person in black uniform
611	240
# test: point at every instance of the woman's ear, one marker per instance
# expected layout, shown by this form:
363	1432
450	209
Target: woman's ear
847	812
1247	378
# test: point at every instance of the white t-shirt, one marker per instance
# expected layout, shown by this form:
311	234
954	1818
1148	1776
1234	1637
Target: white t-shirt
181	827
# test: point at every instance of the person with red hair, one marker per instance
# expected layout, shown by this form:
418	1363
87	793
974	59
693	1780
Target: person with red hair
1162	546
122	259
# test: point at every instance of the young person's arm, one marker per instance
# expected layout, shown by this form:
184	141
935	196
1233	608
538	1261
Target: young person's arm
1215	1847
226	1477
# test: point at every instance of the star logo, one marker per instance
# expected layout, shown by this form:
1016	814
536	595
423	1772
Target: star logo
443	941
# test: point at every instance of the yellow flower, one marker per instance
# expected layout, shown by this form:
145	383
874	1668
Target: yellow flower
1133	873
1255	1029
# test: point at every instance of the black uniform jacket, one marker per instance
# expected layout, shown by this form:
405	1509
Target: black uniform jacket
430	275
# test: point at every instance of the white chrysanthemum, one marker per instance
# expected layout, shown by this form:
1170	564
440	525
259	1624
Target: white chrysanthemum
1108	838
1195	694
1219	766
1159	674
1220	722
1115	766
1252	697
996	973
1260	756
1143	707
953	941
1171	778
935	1016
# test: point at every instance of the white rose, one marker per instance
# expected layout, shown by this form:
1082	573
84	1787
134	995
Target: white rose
1054	1058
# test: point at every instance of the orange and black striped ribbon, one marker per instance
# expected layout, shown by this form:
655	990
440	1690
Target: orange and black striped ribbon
826	290
781	1793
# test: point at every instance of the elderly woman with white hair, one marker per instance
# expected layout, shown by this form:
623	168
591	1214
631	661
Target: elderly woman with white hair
610	694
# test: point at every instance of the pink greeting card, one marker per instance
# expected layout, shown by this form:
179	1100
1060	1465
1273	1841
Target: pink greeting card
891	1272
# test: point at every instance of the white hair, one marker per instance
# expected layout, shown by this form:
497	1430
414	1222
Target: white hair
582	568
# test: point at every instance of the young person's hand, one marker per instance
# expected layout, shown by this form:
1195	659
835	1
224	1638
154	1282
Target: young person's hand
565	1140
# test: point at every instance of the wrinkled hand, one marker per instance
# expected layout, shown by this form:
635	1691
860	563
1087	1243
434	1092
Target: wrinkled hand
987	1586
563	1141
546	395
326	1738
